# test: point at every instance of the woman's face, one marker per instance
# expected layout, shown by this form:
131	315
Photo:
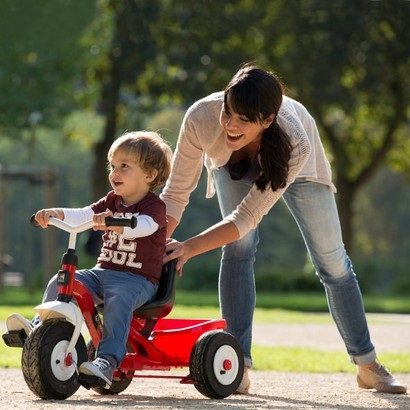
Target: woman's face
239	130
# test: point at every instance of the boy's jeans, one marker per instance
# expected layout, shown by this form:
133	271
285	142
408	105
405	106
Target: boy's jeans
314	209
121	293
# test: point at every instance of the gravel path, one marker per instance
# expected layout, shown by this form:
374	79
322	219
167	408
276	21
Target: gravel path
270	390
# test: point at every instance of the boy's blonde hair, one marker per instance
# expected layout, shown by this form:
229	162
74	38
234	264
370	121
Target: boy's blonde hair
151	152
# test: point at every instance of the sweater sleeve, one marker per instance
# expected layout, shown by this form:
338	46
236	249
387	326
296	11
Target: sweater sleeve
186	169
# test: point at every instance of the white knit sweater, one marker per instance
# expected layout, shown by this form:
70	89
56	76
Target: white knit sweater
202	142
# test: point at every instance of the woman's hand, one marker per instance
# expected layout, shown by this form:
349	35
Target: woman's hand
214	237
176	250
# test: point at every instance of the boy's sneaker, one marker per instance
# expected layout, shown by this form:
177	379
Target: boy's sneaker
243	388
18	322
376	376
102	367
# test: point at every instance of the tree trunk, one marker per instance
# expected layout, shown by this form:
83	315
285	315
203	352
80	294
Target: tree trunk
345	200
99	172
108	107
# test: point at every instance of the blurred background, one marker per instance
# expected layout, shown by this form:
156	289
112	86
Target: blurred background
75	75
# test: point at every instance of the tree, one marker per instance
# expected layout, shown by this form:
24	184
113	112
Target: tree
126	46
346	64
39	61
349	66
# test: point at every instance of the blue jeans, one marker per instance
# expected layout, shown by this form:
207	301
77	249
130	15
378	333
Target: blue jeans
313	207
121	293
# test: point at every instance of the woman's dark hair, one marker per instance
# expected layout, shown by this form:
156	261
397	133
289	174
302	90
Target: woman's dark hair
257	94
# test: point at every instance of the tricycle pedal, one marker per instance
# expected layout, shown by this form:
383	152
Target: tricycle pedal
89	381
15	338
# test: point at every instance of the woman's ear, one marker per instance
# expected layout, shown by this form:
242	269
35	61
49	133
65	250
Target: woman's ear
268	121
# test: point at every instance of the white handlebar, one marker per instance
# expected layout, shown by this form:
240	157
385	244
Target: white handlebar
71	228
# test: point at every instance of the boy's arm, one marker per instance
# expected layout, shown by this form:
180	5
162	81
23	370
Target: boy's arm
76	216
146	226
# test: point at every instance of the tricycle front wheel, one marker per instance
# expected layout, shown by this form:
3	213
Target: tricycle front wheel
45	369
216	364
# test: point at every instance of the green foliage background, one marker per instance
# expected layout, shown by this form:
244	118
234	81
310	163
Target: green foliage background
62	59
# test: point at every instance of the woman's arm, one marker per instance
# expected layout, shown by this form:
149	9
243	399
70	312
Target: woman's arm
172	223
214	237
186	169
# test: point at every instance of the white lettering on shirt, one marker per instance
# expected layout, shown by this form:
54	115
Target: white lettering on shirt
125	253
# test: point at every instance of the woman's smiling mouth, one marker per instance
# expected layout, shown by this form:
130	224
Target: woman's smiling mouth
233	138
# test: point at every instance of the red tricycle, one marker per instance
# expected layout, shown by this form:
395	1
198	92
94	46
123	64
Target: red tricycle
54	350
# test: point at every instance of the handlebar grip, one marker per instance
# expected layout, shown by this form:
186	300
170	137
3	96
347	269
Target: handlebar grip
131	222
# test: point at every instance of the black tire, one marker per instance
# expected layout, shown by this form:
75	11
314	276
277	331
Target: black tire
216	364
117	385
42	360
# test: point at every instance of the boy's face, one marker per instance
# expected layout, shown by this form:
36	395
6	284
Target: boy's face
127	178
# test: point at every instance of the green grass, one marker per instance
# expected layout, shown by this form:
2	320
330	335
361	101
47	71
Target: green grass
318	361
14	296
281	359
289	308
304	302
180	311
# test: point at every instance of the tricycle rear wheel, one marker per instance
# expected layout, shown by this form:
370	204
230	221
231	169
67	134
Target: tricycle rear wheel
43	360
216	364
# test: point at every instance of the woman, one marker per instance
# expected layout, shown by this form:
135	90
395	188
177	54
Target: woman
260	146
